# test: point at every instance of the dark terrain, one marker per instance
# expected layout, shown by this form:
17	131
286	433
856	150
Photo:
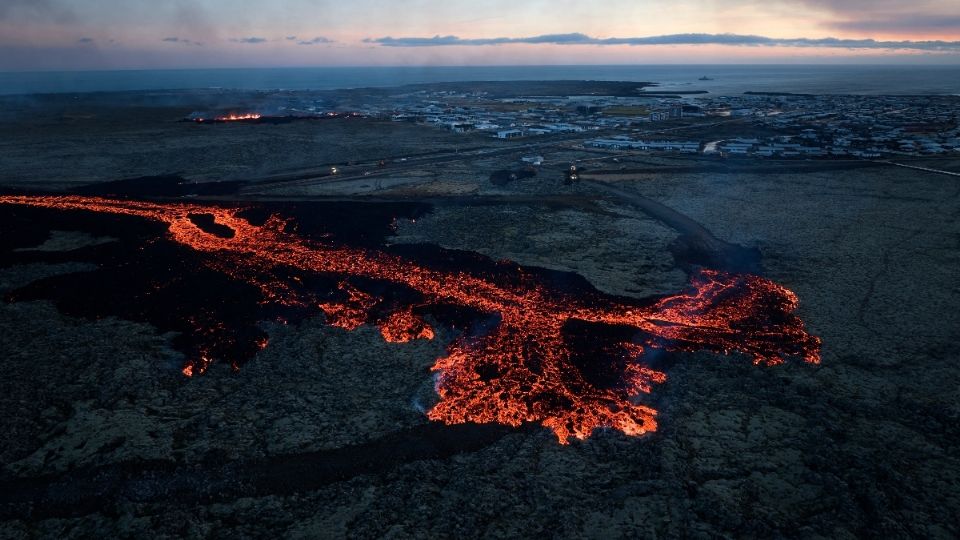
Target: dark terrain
323	432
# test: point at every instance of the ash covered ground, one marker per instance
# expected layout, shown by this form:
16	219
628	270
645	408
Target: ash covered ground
327	426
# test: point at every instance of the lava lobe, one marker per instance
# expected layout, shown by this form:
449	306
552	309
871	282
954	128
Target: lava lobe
572	360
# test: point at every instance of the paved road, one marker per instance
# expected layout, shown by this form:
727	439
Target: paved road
367	170
919	168
370	170
696	245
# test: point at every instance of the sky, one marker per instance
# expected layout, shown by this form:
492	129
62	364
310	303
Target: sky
157	34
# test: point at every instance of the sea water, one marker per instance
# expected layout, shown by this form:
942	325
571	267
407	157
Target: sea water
724	79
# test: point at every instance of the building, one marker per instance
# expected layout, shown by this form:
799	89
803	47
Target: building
459	127
533	160
686	147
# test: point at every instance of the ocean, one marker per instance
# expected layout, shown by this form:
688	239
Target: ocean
725	79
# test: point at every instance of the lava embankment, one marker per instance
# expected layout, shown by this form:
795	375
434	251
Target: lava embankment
571	361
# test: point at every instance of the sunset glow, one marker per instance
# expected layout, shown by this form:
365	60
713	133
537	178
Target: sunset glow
215	33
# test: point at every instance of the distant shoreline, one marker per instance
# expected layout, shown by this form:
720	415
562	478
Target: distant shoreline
672	80
495	89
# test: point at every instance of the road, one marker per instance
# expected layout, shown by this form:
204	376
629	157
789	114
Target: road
369	169
918	168
696	245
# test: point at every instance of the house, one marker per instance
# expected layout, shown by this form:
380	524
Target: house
534	160
689	147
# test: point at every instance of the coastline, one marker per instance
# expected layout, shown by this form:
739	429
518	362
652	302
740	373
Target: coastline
724	79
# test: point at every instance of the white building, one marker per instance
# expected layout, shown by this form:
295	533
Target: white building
534	160
688	147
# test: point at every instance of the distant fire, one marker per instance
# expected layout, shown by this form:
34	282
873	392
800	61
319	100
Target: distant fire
523	366
238	117
251	117
231	118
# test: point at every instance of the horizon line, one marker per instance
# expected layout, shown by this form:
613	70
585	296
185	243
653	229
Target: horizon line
485	66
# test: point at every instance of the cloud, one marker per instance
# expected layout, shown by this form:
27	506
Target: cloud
86	40
175	39
37	10
436	41
670	39
291	38
901	24
866	9
916	17
315	41
250	40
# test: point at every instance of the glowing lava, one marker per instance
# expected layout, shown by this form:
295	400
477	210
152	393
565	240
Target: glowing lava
233	117
522	367
404	326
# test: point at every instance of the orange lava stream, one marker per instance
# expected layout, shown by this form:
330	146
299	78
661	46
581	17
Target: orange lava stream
521	370
236	117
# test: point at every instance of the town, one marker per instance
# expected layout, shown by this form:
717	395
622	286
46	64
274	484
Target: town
758	125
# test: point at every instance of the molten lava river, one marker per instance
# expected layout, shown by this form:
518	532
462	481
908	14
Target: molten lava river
573	361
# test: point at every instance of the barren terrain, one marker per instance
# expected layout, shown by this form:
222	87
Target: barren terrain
863	445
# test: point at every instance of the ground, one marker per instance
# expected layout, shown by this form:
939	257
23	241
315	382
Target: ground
864	445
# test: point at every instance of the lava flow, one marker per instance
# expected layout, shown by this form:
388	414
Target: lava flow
232	117
525	360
